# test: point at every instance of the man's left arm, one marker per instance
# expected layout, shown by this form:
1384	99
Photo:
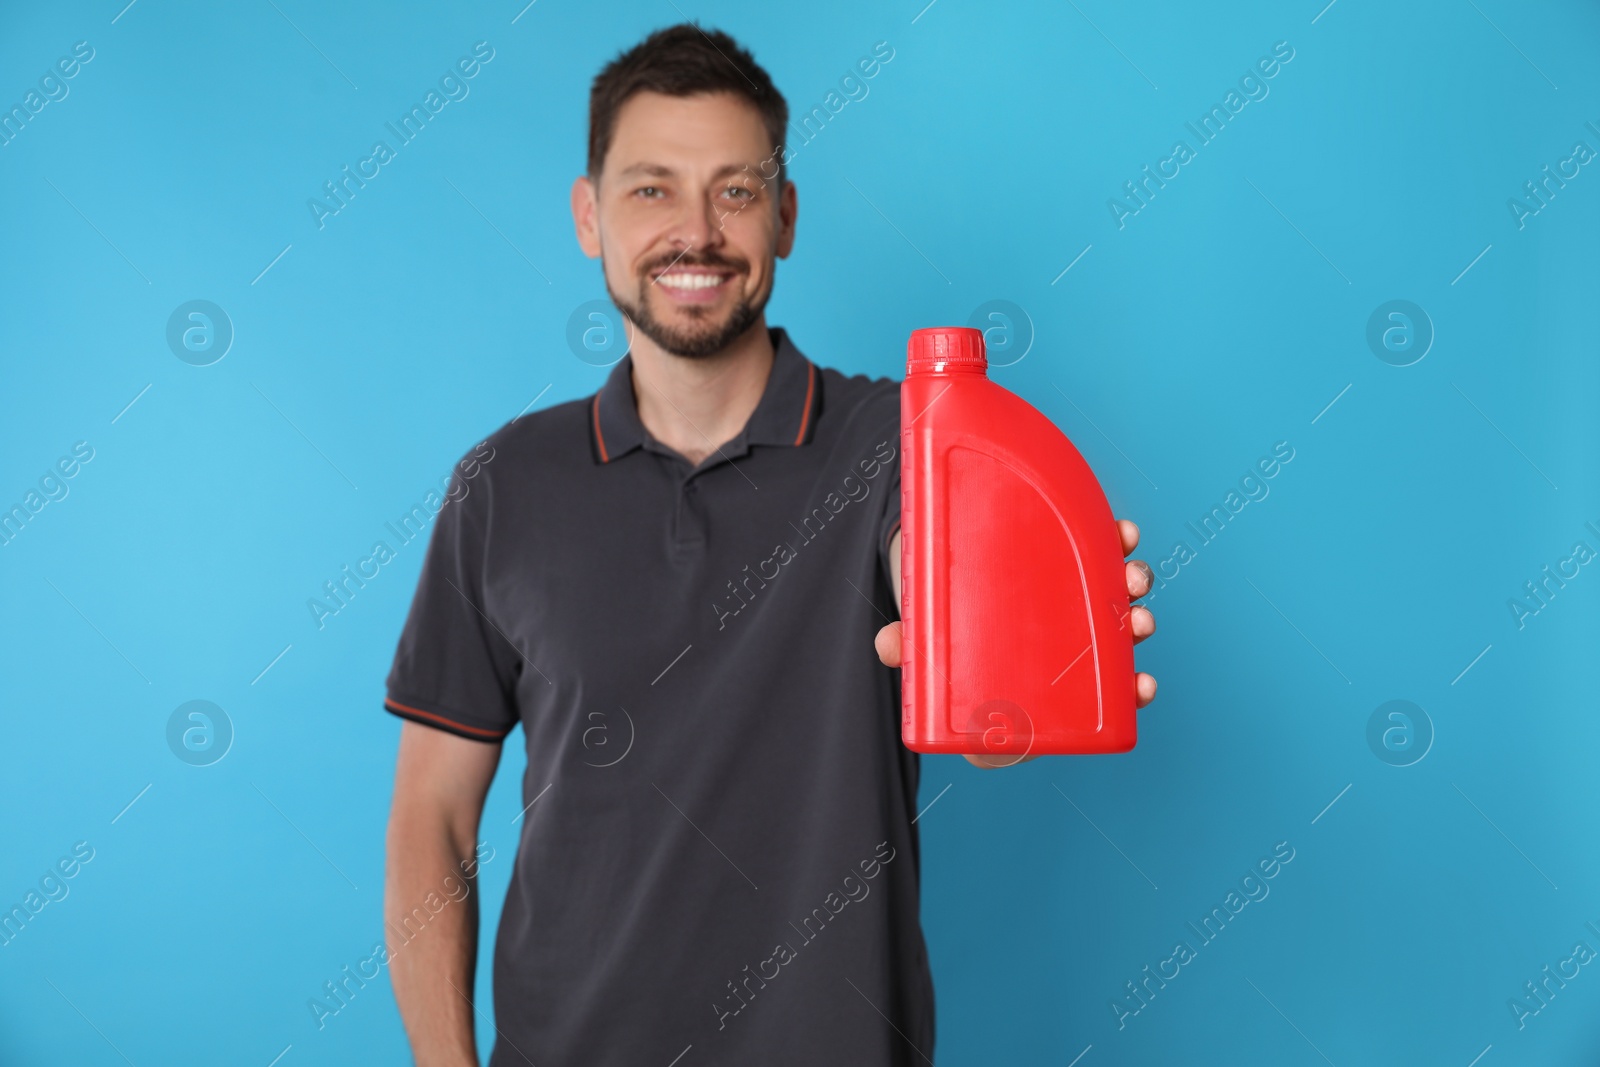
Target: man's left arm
1139	578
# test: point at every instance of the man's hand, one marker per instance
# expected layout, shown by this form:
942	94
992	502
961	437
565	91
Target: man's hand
1139	578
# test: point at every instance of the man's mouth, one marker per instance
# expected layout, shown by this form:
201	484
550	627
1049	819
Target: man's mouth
693	284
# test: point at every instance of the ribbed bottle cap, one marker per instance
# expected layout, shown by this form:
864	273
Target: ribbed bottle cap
942	348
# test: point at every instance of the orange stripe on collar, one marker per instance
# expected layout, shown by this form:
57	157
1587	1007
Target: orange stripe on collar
598	436
805	412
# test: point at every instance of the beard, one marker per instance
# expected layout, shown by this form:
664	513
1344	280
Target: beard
705	335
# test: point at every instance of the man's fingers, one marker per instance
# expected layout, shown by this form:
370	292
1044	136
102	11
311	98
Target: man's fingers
1144	686
1143	622
888	644
1140	578
1129	530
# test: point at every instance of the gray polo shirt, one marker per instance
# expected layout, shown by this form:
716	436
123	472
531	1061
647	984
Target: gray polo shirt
717	859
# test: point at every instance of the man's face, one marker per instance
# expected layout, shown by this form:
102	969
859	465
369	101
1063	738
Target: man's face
686	219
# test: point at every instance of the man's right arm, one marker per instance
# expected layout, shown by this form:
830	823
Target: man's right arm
440	784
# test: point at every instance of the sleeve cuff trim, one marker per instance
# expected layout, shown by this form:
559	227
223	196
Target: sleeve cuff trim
406	711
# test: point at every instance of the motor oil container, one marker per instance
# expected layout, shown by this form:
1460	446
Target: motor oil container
1016	631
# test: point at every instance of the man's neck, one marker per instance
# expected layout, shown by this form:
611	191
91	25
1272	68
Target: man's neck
694	406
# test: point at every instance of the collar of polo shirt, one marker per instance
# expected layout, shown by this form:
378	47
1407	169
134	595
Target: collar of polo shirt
785	414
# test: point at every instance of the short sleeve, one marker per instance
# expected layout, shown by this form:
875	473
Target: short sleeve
454	669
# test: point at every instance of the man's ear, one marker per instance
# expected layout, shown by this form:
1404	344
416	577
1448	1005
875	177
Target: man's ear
788	211
586	216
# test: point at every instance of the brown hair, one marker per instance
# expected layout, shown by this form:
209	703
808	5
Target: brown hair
683	60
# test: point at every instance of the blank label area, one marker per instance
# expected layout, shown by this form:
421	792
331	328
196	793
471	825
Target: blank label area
1025	624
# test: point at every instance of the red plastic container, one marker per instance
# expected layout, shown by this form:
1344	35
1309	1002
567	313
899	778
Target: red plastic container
1015	607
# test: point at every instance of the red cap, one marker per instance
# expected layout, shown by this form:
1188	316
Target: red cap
946	348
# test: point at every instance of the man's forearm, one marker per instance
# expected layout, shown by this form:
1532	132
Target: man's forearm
432	945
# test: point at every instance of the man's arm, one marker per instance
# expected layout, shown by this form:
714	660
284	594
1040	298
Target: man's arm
1139	578
439	786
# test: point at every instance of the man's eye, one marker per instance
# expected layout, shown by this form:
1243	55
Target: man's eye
739	192
649	192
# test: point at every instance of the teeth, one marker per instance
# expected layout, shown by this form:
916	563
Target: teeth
690	281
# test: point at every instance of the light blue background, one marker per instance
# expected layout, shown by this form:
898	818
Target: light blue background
1223	318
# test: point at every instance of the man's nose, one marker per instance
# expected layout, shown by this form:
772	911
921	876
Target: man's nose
698	224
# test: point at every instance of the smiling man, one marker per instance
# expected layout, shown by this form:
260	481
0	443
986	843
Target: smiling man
675	587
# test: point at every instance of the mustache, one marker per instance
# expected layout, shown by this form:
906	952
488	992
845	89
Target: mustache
697	259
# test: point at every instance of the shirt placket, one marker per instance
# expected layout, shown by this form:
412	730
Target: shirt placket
688	532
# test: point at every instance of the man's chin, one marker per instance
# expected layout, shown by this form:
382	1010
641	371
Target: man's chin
690	334
698	344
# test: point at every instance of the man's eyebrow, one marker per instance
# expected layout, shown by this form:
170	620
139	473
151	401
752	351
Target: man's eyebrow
657	170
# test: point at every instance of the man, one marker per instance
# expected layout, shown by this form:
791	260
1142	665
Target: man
672	586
